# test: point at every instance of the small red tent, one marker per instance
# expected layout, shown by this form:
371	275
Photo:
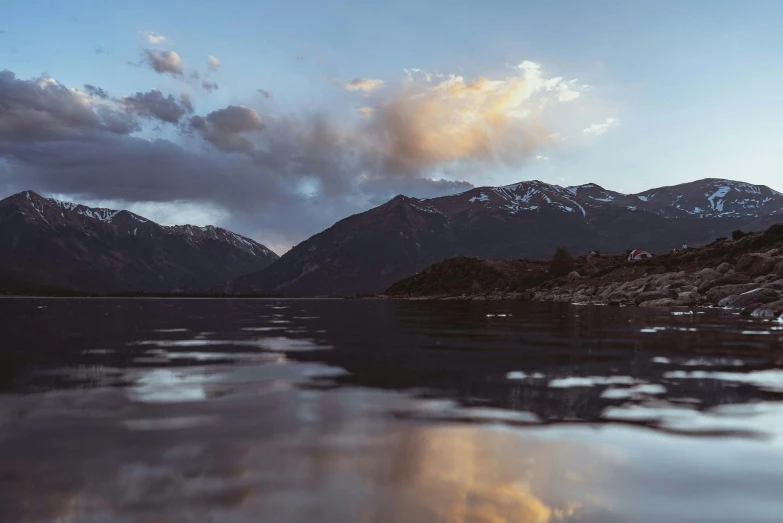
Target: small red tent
639	254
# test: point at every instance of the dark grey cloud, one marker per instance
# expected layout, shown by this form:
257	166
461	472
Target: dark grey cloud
100	50
96	91
264	93
40	108
153	104
163	61
300	58
228	129
209	85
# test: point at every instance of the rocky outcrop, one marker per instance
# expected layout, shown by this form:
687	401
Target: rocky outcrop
743	275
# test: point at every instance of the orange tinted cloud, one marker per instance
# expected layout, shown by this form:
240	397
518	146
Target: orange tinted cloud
435	119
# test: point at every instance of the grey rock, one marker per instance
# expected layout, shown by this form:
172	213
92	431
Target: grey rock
755	264
727	279
753	298
724	267
655	295
716	294
678	285
777	285
705	275
617	296
662	302
688	299
769	310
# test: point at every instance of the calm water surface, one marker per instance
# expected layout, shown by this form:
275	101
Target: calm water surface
153	411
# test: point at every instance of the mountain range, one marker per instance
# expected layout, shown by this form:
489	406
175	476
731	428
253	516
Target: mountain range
367	252
48	245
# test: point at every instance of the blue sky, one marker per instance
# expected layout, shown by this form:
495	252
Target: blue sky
690	89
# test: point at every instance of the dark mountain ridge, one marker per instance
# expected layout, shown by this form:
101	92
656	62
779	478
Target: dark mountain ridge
46	243
367	252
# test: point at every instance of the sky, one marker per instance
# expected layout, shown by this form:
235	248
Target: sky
277	119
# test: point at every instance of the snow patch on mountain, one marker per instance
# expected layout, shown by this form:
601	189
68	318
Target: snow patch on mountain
56	209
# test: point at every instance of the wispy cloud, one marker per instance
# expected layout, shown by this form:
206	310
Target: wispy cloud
210	86
96	91
264	93
598	129
360	84
213	62
154	39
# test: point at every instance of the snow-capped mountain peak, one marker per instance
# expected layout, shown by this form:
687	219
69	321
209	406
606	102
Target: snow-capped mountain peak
708	198
54	214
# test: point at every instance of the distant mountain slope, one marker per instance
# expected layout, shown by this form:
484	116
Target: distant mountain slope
368	252
48	243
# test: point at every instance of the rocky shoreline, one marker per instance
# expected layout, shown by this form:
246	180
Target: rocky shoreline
745	275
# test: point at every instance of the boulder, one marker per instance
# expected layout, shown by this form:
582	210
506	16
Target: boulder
705	275
678	285
609	289
688	299
527	295
662	302
727	279
777	285
752	298
618	296
655	295
716	294
755	264
724	267
779	268
772	309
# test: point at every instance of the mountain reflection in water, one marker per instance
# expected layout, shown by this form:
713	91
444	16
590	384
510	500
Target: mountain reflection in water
141	410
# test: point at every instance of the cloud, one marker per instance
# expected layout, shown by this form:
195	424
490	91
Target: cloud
213	62
42	108
435	119
154	105
209	85
100	50
226	128
96	91
598	129
186	103
300	58
360	84
154	39
365	111
539	157
264	93
163	61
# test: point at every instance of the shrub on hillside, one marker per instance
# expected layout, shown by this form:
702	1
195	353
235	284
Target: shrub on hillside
562	262
738	234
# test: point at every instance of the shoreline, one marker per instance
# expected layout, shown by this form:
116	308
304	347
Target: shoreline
744	275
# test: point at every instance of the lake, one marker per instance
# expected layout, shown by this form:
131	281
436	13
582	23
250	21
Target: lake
248	410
